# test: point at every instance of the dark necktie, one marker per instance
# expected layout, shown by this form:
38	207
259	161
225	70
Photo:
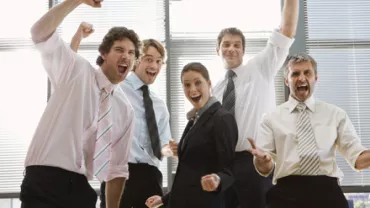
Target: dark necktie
228	100
151	122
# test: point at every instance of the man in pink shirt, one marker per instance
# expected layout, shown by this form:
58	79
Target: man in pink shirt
87	126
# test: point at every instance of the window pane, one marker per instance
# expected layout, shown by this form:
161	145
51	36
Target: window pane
24	92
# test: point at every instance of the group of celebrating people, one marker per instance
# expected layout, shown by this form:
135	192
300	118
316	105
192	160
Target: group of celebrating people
238	150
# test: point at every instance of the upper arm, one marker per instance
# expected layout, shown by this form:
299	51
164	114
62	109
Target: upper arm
271	58
348	142
59	60
265	137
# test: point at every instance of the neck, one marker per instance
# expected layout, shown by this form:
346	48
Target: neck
300	100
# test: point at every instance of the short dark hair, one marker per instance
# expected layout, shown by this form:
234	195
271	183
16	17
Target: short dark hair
118	33
197	67
231	31
298	58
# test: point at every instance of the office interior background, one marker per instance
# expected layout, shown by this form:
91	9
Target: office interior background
335	32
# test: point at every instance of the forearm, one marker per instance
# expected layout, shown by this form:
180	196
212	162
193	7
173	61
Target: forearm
289	18
113	192
75	43
48	23
363	160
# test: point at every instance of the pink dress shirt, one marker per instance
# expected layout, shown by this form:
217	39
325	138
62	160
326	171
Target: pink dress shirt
66	134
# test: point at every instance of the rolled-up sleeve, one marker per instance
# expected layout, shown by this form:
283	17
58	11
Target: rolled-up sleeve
265	141
271	58
348	142
58	60
120	149
164	129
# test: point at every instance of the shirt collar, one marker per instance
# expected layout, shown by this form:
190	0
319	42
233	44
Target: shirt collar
292	103
103	81
135	81
237	70
193	112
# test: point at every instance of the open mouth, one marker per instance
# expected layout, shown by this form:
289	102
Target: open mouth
151	74
122	68
196	98
302	88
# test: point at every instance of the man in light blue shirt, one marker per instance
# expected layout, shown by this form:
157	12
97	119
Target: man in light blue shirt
151	129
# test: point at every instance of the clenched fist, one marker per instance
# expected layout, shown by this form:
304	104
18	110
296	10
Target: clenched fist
84	30
93	3
173	147
210	182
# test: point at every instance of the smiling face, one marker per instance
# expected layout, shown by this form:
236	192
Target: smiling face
149	66
119	60
196	88
231	51
301	80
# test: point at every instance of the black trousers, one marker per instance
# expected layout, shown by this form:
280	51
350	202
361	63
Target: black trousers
52	187
144	181
306	192
250	188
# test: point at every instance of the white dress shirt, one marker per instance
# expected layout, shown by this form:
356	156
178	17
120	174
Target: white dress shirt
254	87
66	134
141	151
332	129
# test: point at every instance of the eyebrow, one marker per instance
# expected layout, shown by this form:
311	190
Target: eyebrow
186	80
149	55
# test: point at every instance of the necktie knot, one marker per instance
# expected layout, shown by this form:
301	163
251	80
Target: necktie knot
230	73
301	107
108	89
144	88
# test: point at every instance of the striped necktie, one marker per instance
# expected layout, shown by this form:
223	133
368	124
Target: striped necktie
307	149
228	100
104	136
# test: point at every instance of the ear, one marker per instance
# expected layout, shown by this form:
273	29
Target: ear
316	78
286	82
103	56
218	51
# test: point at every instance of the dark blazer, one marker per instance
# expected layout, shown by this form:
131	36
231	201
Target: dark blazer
205	148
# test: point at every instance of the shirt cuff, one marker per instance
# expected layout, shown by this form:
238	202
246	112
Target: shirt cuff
280	40
49	45
264	175
115	171
355	157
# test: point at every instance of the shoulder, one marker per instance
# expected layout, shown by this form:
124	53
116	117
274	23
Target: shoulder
328	108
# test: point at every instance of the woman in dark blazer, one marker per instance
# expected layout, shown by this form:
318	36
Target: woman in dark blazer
206	149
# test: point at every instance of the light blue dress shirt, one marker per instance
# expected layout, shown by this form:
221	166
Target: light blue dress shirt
141	150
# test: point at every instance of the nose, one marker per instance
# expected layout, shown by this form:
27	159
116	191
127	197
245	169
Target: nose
302	77
231	48
192	89
124	55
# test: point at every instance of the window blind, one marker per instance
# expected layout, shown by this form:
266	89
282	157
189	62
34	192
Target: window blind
23	85
339	41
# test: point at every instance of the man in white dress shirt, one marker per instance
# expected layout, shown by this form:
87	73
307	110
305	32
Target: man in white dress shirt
298	141
248	91
87	117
